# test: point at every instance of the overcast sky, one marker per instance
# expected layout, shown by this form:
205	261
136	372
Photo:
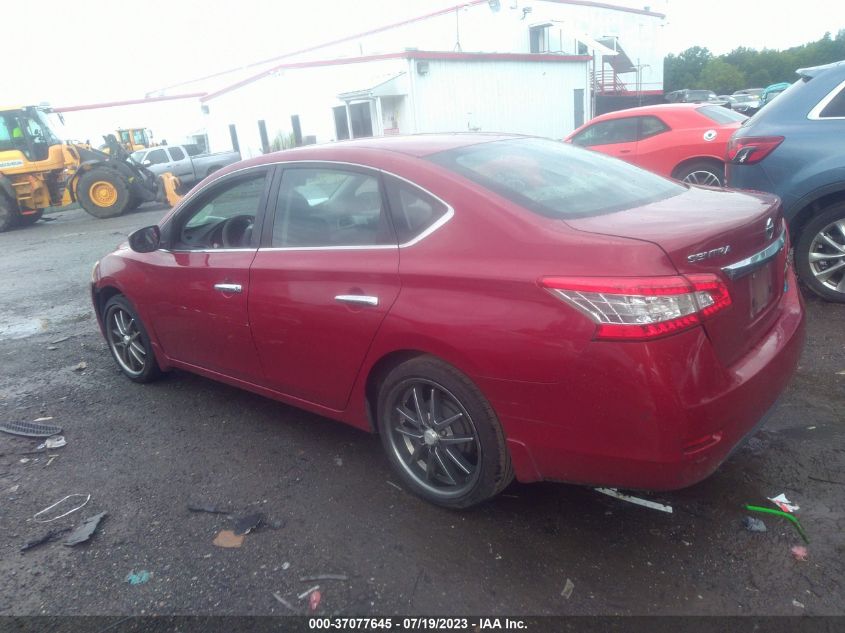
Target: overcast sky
94	50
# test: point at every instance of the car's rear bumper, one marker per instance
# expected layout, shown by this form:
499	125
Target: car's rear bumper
661	418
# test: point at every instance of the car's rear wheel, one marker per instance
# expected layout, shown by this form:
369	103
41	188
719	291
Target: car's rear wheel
707	173
128	341
441	435
820	254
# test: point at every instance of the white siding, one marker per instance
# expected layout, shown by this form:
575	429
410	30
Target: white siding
498	96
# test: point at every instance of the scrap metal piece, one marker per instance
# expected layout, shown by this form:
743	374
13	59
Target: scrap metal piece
62	500
52	535
86	530
613	492
248	523
29	429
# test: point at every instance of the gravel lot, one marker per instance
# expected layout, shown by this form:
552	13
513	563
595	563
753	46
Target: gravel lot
146	452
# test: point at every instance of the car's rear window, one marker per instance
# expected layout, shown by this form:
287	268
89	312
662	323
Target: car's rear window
556	179
718	114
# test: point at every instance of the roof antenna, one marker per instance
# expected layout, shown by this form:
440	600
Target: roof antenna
457	48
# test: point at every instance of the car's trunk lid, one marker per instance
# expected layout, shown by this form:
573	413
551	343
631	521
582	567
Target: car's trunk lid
707	231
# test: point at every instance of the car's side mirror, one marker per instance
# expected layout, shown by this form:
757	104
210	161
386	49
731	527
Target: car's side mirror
147	163
145	240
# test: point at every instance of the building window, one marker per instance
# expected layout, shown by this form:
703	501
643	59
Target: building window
340	125
540	38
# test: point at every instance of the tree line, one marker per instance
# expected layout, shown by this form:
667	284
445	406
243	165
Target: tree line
744	67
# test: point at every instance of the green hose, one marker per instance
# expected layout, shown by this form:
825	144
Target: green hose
781	513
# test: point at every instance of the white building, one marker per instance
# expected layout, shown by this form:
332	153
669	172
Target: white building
534	67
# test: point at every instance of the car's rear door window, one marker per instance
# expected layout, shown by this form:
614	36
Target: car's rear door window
555	179
413	211
835	108
176	153
326	207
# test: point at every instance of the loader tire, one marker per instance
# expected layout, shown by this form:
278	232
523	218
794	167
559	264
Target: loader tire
8	214
103	193
32	218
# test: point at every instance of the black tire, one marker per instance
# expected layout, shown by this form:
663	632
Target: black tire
702	172
810	244
103	208
8	214
26	220
467	460
134	355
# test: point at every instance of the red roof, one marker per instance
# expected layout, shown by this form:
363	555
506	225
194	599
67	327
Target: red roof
112	104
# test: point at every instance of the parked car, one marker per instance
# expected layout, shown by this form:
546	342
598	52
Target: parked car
490	305
685	141
185	161
695	96
772	91
793	147
746	104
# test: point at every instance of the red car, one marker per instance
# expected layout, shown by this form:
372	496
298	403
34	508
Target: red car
490	305
686	141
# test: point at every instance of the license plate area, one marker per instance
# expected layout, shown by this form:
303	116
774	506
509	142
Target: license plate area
762	289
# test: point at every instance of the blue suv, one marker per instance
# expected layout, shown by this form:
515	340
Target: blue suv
795	147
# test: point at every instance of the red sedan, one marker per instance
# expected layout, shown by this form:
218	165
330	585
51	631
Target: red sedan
490	305
687	141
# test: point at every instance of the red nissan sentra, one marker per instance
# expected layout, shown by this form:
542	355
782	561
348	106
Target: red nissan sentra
491	305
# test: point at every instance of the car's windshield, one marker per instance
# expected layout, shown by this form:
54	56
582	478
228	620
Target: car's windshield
556	179
701	95
138	156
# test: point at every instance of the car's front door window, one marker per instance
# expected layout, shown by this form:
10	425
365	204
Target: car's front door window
223	218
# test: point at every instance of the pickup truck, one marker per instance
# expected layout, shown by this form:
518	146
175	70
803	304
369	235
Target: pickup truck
187	162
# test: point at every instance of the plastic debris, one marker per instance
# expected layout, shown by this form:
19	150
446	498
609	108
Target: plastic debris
86	530
568	588
753	525
59	502
50	536
47	419
796	604
613	492
284	602
324	577
206	508
390	483
314	600
799	552
308	592
52	442
81	366
783	503
137	579
30	429
285	566
248	523
781	513
60	340
227	538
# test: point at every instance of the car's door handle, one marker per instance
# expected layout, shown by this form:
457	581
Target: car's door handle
624	151
230	288
363	299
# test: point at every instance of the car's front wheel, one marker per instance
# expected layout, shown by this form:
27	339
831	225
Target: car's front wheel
128	341
820	254
441	435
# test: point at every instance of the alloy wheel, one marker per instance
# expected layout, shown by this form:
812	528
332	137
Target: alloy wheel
703	177
434	438
125	341
827	256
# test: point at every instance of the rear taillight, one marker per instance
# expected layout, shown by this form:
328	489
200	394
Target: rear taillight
751	149
641	308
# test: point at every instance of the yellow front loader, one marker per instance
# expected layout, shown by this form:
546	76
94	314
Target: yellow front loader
38	170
